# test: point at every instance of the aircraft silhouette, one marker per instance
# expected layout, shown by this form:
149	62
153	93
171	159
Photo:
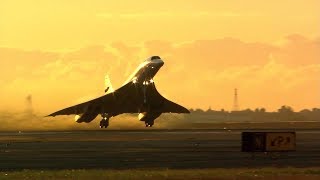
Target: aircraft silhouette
138	95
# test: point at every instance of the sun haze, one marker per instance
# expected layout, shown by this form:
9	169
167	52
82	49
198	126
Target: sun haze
60	51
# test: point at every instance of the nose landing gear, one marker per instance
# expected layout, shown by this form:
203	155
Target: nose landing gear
104	123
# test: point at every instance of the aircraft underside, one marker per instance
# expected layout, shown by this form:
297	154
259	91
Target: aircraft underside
148	119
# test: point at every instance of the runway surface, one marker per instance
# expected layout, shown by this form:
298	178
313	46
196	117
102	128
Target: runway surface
146	149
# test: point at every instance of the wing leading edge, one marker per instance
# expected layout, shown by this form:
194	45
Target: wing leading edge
163	105
127	99
103	104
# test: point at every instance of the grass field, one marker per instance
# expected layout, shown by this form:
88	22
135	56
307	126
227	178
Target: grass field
239	173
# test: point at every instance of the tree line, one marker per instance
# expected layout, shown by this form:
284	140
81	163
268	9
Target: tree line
284	113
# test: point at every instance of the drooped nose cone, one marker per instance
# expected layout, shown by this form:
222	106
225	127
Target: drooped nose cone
161	63
157	62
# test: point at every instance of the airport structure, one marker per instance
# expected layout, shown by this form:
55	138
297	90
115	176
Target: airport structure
235	100
29	108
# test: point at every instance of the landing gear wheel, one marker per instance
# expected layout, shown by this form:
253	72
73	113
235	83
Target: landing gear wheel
104	123
101	123
149	124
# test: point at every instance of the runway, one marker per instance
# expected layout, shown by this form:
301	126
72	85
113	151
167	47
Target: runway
181	149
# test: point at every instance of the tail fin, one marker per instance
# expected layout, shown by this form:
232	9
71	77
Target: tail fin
108	86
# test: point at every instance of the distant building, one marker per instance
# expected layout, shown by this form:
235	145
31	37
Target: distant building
235	100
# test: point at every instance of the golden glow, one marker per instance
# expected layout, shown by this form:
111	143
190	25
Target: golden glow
108	85
59	51
76	117
69	25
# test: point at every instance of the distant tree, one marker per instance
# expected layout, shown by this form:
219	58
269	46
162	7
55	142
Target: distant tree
285	109
209	110
198	110
315	110
286	113
248	110
260	110
263	110
304	111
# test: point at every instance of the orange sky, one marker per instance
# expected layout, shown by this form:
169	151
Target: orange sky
59	51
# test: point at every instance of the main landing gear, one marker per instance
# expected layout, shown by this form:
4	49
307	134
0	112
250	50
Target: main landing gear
149	124
104	123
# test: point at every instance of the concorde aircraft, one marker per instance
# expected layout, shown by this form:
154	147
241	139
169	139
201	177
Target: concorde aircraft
137	95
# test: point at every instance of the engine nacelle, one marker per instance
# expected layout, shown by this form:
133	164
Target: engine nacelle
77	117
148	117
86	117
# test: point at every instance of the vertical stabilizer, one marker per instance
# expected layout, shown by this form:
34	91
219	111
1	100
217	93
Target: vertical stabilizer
107	84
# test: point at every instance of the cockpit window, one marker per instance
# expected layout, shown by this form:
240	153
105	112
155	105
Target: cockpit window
155	57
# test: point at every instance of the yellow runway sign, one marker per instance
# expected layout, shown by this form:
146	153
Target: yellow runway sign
285	141
268	141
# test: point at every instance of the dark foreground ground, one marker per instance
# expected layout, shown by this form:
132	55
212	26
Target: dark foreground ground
174	149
